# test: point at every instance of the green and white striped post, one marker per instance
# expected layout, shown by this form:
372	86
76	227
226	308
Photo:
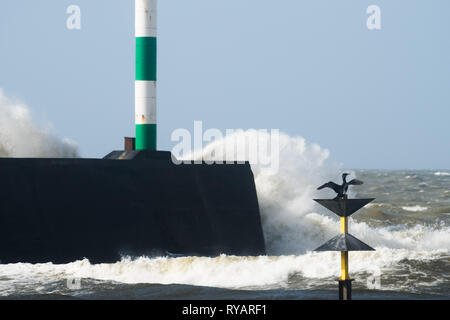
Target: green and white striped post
145	85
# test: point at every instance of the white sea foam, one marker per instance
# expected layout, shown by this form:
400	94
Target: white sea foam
223	272
20	136
415	208
442	173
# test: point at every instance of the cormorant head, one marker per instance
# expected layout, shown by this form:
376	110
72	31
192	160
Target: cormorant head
344	175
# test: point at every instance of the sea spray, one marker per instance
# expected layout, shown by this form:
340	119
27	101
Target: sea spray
285	196
21	137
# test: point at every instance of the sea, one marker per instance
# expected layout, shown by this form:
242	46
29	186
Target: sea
408	224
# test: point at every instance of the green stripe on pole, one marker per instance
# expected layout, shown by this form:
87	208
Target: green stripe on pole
146	50
146	137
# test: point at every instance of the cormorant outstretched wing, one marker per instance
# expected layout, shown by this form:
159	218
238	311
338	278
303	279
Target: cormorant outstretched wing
355	182
331	185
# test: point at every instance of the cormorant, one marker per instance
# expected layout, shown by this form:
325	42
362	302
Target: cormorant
341	190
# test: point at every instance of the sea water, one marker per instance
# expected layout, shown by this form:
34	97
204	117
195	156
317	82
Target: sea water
407	224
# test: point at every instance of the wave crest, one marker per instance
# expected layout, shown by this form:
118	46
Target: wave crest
21	137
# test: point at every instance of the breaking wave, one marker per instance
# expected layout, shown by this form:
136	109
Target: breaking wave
415	208
21	137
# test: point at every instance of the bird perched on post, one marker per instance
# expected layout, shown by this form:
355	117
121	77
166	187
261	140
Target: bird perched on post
342	189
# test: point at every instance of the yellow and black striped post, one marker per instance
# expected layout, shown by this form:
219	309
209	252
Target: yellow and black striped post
345	283
344	242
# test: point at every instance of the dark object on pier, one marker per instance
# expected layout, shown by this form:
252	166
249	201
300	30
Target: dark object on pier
342	189
63	210
130	143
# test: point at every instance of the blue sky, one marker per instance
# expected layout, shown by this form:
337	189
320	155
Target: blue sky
375	99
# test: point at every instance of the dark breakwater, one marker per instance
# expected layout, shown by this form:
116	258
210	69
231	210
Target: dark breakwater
64	210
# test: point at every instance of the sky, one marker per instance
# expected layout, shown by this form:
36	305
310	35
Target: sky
376	99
